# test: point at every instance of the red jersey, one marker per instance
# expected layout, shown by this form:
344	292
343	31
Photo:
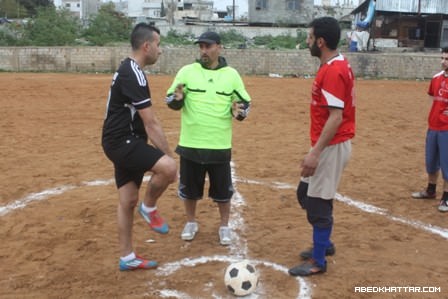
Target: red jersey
438	89
333	88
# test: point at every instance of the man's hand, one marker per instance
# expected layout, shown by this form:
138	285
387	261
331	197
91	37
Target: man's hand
240	110
237	108
309	164
179	92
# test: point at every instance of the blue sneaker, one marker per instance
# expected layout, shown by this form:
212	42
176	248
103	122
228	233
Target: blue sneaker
137	263
154	221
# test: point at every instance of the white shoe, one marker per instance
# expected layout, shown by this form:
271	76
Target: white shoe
443	206
225	235
190	230
423	195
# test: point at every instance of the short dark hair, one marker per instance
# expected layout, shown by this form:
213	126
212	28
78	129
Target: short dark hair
328	28
445	50
141	33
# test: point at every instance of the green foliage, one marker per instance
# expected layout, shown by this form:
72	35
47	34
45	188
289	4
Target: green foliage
51	27
108	26
232	39
175	38
7	38
12	9
32	6
301	39
276	42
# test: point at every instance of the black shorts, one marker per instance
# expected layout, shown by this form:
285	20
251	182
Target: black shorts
132	159
192	180
319	212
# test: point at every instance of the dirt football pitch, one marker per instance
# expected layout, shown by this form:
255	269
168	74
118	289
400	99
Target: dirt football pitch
58	200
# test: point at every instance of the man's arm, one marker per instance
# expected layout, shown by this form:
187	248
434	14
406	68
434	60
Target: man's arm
311	160
175	100
154	130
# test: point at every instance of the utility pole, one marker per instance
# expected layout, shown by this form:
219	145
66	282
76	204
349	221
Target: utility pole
233	13
171	10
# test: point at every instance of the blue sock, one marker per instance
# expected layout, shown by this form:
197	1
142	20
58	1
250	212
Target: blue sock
321	241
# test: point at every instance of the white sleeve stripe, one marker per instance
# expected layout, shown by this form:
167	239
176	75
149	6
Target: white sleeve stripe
438	74
332	100
138	73
141	102
338	57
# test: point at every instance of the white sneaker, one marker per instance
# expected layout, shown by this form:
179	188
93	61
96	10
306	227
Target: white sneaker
190	230
443	206
225	235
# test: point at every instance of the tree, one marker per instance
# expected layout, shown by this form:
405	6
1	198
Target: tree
162	10
9	35
32	6
12	9
108	26
52	27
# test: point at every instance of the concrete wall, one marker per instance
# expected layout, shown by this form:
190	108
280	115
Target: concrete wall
246	31
417	65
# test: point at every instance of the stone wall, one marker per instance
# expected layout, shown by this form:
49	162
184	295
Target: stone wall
417	65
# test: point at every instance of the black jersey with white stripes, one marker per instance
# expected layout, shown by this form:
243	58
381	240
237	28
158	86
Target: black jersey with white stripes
128	93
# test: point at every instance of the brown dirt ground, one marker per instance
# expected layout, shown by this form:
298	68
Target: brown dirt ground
65	245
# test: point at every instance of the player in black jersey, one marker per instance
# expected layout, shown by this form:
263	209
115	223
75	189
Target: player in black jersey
129	123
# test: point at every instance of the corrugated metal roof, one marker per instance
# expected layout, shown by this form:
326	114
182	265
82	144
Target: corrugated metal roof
408	6
398	5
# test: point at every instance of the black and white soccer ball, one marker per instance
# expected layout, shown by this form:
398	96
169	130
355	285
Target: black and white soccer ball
241	278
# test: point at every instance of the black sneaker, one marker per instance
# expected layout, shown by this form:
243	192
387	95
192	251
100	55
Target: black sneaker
308	268
308	254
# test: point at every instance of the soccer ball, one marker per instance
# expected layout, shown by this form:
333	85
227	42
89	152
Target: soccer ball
241	278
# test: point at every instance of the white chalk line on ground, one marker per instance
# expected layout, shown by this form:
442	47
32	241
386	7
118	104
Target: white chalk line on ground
37	196
170	268
365	207
305	290
238	250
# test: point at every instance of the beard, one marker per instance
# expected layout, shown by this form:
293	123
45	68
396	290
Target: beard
315	51
205	60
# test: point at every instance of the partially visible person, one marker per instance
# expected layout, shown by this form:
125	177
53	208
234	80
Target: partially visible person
129	122
209	94
437	136
359	39
332	112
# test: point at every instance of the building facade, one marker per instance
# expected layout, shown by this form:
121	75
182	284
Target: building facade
413	23
82	9
280	12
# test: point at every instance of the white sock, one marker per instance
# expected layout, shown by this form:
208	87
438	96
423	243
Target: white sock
129	257
148	209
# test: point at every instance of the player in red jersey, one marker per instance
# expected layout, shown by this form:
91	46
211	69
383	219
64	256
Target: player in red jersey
332	128
437	136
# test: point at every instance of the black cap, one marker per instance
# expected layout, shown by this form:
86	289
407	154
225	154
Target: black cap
209	37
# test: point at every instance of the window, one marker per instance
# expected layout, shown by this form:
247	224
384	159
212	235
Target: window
261	4
67	5
444	40
292	4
